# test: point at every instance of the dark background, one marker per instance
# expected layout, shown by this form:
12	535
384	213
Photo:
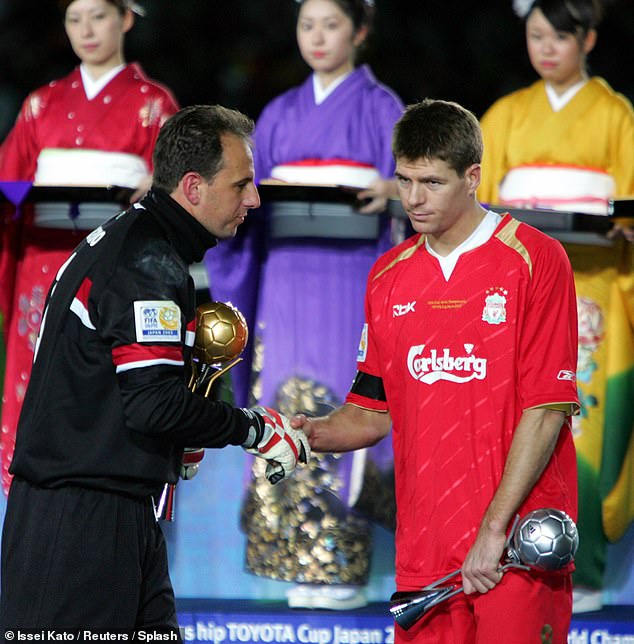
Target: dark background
241	53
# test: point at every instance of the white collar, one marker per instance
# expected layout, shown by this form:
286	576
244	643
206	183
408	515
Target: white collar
93	87
479	236
559	102
322	94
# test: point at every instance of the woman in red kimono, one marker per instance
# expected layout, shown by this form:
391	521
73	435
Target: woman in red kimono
95	127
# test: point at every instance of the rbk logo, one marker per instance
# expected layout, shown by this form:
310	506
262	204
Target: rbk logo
402	309
565	374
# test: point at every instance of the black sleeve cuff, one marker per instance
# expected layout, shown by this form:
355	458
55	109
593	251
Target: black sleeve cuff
250	427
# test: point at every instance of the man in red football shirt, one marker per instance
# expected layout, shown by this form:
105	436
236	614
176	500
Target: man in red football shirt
469	354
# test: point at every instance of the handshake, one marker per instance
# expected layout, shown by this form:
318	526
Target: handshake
271	437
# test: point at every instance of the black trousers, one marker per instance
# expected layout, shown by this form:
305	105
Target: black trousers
79	558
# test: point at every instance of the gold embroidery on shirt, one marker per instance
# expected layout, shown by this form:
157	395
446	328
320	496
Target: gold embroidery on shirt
446	304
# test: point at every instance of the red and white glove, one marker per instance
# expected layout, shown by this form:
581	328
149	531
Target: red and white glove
191	459
273	439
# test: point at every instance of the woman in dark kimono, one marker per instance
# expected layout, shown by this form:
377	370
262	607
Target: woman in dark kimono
335	128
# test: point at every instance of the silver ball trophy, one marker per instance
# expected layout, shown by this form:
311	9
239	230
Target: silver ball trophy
545	539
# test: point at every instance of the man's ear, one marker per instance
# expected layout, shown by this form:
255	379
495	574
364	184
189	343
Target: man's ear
473	175
190	187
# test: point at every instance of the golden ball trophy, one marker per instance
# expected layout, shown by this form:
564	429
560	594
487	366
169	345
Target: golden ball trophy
221	336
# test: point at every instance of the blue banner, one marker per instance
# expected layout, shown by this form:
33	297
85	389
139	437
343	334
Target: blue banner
243	622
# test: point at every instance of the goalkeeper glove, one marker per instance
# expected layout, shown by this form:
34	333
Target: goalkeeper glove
272	438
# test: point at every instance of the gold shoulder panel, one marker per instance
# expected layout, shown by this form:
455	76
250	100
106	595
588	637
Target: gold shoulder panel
406	254
507	236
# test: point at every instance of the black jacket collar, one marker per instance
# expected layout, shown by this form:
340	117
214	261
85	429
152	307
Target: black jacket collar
190	239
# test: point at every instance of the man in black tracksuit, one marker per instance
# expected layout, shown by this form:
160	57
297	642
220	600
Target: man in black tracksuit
108	414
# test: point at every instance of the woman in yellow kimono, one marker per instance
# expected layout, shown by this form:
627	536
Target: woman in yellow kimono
567	143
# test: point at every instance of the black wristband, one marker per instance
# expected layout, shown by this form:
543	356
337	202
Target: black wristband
255	428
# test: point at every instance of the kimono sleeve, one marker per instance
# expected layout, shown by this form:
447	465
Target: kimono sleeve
20	150
165	105
495	125
387	109
622	148
263	138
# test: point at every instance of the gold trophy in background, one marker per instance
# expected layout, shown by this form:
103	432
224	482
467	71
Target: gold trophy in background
221	335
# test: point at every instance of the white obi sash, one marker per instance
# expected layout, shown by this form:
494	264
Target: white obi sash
331	172
85	168
558	187
319	219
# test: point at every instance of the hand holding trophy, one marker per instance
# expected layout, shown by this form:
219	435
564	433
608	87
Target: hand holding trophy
221	335
545	539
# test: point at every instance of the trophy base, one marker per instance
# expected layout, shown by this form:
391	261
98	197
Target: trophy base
326	597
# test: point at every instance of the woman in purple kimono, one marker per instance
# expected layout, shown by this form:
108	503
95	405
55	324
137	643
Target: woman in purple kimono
335	128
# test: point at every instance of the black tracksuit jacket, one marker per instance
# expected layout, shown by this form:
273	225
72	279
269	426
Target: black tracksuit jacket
107	406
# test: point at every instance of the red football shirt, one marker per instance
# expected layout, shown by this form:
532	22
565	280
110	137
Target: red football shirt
460	359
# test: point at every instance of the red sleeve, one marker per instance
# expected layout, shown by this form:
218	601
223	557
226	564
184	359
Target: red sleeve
547	360
368	360
166	105
19	151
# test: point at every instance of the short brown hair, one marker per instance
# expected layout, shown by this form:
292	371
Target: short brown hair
435	129
191	141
